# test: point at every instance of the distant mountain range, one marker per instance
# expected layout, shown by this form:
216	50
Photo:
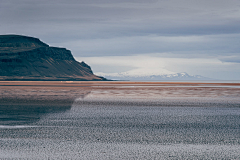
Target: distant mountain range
176	76
27	58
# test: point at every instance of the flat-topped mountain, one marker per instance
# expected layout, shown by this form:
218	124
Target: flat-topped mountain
27	58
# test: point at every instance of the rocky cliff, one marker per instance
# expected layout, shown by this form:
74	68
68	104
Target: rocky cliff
27	58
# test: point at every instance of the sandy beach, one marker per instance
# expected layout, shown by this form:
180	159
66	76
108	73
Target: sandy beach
103	83
119	120
69	90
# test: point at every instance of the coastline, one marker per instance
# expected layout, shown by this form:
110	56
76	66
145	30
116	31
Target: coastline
119	120
82	83
153	93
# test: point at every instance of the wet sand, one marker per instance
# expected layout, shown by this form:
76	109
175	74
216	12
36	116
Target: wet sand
114	83
119	120
124	91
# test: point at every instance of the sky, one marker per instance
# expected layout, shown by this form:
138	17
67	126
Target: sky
200	37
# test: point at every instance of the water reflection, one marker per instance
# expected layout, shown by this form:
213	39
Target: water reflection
17	111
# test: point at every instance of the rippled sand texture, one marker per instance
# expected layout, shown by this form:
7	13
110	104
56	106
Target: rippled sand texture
119	120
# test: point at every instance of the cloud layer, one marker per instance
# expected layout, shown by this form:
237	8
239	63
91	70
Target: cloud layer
154	64
173	29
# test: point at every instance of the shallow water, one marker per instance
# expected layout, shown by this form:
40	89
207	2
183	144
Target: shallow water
120	123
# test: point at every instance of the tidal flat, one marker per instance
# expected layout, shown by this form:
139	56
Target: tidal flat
119	120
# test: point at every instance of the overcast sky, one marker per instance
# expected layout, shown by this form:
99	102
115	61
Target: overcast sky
200	37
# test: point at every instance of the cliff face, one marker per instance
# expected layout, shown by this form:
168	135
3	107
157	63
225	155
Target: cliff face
27	58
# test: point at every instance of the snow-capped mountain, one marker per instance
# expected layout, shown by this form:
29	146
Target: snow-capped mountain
174	76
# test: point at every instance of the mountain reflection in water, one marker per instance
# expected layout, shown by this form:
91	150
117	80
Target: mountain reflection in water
17	110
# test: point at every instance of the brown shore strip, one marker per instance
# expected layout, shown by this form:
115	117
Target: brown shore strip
109	83
163	93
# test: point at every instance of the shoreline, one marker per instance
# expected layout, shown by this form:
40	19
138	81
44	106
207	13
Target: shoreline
111	83
58	92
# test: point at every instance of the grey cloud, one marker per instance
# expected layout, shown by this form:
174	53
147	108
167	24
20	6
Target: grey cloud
185	46
231	59
91	21
170	28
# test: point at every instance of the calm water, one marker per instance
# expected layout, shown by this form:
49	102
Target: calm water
98	125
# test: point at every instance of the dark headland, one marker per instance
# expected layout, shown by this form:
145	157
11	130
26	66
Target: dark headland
24	58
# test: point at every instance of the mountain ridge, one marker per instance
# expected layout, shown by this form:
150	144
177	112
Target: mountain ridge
174	76
28	58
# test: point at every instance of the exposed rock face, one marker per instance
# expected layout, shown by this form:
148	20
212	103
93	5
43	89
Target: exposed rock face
27	58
